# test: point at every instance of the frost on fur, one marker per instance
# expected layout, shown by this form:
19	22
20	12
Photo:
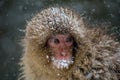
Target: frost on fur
61	64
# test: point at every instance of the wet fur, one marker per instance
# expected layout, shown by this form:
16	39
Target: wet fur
96	54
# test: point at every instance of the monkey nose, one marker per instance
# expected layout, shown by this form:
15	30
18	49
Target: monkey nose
63	54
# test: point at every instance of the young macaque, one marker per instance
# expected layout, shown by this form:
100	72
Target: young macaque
60	45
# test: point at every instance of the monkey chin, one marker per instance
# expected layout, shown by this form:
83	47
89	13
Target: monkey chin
62	63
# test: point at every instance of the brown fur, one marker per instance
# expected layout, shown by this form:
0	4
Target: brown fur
96	57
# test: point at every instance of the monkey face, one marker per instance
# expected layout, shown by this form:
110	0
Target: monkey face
61	50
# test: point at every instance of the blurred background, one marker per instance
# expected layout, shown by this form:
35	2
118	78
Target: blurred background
15	13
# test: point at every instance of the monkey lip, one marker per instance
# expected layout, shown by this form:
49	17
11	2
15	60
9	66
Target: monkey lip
63	56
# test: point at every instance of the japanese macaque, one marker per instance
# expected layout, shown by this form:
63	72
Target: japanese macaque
59	45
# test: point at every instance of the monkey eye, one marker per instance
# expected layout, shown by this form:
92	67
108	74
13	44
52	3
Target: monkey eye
56	41
69	39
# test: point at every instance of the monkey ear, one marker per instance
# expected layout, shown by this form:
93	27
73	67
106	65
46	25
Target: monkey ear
46	43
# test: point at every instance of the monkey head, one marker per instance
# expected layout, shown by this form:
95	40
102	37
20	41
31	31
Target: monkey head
57	32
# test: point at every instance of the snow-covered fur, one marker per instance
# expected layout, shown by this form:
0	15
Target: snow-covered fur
97	56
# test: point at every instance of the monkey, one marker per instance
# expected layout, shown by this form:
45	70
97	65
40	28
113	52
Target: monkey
59	45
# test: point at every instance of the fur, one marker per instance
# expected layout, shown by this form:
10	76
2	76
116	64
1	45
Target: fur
97	54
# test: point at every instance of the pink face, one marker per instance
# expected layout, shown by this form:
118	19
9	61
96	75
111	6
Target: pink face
61	46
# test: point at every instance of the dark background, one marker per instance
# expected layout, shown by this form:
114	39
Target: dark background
15	13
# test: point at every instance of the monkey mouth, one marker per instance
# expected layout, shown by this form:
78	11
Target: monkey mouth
62	56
